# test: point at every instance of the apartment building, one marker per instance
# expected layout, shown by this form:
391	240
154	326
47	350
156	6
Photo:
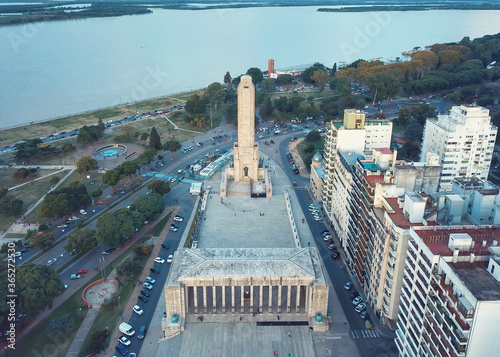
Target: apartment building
464	141
450	297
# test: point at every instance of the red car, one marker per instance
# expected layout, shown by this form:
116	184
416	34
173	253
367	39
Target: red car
81	271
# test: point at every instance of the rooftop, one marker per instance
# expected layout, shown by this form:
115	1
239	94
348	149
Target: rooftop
438	237
478	280
384	151
397	215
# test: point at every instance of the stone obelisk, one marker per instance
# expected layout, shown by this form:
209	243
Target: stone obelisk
246	151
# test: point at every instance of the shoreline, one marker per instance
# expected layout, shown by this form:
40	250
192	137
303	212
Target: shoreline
35	129
45	12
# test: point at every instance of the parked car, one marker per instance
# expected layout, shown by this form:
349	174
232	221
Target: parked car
348	285
364	315
159	260
143	298
124	341
150	280
145	292
332	246
169	259
165	246
353	295
82	211
173	229
148	286
358	300
137	309
360	307
178	218
142	332
122	349
154	270
335	255
62	225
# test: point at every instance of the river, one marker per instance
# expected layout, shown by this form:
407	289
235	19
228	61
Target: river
58	68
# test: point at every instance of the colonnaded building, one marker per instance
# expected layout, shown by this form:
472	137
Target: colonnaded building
248	259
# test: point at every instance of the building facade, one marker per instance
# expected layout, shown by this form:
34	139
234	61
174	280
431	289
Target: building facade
450	298
464	142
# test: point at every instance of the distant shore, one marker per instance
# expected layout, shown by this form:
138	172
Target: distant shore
43	12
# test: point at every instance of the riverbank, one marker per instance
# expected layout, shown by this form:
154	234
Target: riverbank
33	130
425	7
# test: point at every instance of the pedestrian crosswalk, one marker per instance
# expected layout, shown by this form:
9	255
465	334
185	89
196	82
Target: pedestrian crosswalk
364	334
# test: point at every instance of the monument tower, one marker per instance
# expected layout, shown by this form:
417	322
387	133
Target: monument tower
246	151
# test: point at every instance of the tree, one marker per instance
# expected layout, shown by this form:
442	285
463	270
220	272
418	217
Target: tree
128	268
85	164
132	182
159	186
404	117
114	228
284	79
256	75
97	193
89	134
3	192
10	206
267	108
54	180
308	73
383	85
215	94
227	78
231	112
44	240
334	69
154	139
36	286
144	136
18	244
342	85
112	177
68	147
98	339
64	200
83	240
172	146
320	77
195	105
268	85
101	126
313	136
150	206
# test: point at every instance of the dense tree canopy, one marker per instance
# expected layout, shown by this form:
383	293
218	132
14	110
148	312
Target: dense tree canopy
159	186
320	78
256	74
195	105
83	240
65	200
85	164
114	228
43	241
89	134
215	94
172	145
154	139
151	206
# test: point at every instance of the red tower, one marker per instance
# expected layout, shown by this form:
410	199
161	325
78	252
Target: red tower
270	67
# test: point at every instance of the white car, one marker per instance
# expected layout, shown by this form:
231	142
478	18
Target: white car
51	261
159	260
148	286
150	280
137	309
82	211
173	229
124	341
62	226
169	259
178	218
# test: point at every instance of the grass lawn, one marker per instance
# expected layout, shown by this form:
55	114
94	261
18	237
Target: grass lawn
156	230
36	130
38	343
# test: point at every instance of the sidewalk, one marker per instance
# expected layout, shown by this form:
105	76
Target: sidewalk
127	308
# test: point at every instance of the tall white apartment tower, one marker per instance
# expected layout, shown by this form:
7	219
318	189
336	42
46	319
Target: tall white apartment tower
464	141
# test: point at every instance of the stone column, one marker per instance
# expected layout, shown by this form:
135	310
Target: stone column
270	308
242	299
233	304
195	298
279	298
261	295
223	299
288	296
252	290
214	300
298	299
205	304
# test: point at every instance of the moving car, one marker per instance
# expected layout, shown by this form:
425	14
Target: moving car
159	260
75	276
137	309
335	256
51	261
348	285
169	259
82	211
165	246
81	271
62	225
